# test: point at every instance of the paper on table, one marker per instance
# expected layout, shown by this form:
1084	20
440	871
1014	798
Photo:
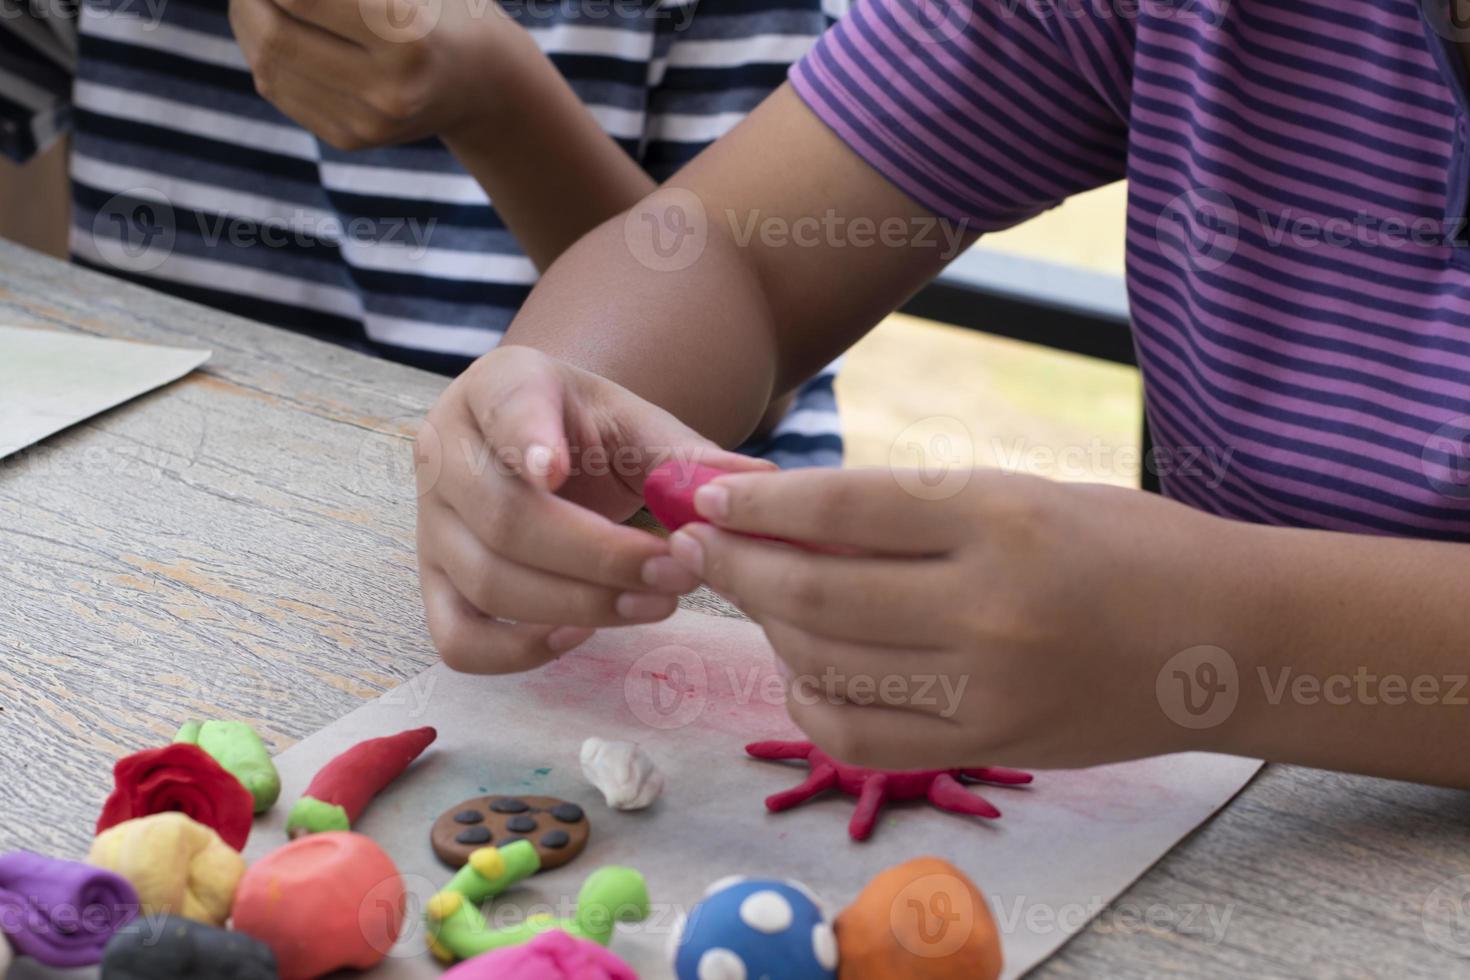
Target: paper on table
50	380
693	691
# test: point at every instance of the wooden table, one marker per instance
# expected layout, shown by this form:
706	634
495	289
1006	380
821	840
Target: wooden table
241	545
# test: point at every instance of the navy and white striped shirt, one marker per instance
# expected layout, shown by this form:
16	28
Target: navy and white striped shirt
185	180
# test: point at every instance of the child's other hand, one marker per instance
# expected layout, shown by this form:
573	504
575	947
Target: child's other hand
1015	622
525	468
365	73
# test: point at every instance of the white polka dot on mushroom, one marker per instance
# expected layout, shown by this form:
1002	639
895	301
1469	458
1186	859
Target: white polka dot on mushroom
721	964
767	912
824	944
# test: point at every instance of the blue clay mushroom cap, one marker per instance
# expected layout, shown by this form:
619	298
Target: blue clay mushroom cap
756	929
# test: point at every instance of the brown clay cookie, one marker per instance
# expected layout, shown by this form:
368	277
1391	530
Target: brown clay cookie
556	828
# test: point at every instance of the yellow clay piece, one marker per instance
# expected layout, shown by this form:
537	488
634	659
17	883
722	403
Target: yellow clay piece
179	867
488	862
441	954
443	905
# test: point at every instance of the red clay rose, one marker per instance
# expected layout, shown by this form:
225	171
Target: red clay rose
182	778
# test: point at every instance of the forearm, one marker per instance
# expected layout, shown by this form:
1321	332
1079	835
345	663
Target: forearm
699	343
1354	654
740	279
551	171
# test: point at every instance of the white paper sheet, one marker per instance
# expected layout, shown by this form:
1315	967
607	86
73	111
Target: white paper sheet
50	380
693	691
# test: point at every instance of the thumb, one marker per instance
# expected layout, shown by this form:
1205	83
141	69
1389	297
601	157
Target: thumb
524	425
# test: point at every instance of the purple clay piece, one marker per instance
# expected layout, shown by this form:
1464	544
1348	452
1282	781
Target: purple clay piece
61	913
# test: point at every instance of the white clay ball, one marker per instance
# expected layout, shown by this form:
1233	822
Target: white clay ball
622	772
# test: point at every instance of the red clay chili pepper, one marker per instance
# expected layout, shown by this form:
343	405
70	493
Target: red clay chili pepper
346	785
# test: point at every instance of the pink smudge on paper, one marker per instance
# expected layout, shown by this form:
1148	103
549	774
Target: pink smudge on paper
692	673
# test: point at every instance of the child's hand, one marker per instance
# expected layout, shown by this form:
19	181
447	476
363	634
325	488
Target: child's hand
525	467
363	73
1015	622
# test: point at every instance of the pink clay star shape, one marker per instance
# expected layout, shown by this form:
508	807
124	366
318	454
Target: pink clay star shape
875	787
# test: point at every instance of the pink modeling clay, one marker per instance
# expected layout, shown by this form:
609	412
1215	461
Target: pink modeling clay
874	787
553	955
669	491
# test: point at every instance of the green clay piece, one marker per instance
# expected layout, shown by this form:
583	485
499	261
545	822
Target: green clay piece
458	930
611	895
236	747
312	816
490	871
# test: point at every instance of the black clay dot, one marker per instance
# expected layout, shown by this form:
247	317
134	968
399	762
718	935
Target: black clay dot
509	806
567	812
473	835
469	816
556	839
521	825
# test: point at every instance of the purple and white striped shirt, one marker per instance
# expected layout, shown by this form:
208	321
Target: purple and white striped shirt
1298	262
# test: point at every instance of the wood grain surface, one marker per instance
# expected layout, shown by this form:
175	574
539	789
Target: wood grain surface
240	545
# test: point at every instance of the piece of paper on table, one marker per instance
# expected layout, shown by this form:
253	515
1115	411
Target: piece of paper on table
50	380
693	691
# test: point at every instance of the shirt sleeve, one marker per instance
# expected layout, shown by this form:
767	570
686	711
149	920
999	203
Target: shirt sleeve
716	60
987	112
37	65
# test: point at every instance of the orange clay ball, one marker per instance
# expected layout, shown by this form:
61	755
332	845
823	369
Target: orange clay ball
322	903
923	920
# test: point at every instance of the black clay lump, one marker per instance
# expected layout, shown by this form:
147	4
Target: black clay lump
170	948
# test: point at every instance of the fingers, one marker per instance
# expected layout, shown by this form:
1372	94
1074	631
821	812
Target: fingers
273	40
521	522
532	528
876	737
498	587
865	509
348	20
312	77
844	597
523	415
473	643
338	120
911	679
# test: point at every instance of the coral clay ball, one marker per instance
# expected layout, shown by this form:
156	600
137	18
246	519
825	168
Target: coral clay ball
323	902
